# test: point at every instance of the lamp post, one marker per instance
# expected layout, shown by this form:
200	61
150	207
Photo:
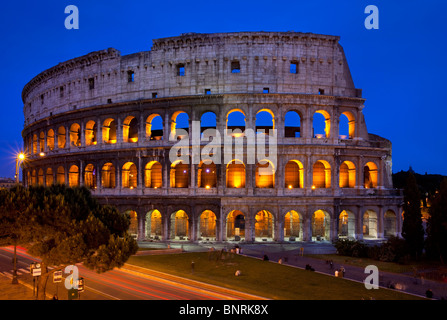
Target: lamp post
20	157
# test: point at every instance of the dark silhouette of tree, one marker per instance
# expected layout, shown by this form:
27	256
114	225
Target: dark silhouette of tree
436	245
412	229
66	226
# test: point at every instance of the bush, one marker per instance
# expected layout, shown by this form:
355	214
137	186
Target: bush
352	248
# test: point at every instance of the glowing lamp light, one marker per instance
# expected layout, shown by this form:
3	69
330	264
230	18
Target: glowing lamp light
41	154
313	187
207	187
21	156
290	186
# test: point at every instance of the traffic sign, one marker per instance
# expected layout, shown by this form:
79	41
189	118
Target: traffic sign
81	285
57	276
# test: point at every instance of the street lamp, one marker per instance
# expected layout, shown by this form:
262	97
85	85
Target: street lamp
20	157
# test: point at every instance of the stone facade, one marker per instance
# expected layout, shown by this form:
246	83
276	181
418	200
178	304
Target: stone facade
90	121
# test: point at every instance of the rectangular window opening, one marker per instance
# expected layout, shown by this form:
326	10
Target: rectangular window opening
180	70
130	76
154	95
235	67
294	67
321	91
207	91
91	83
265	90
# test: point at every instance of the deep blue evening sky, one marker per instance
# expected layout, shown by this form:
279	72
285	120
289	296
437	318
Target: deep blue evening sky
401	67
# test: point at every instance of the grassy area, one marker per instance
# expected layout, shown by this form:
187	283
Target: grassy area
382	265
263	278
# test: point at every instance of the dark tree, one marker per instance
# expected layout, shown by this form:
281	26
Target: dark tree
437	225
412	229
66	226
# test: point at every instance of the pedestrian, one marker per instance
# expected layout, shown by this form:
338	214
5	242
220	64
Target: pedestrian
336	273
342	269
265	258
331	265
429	294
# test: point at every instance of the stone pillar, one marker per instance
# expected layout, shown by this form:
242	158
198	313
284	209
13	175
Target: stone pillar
141	225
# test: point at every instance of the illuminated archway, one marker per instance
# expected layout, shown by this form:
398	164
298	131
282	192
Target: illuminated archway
264	230
90	133
154	225
75	135
236	226
154	127
320	225
369	225
346	125
133	227
265	174
321	174
73	176
370	175
207	225
129	175
153	175
346	224
235	175
60	175
130	129
50	139
179	175
207	175
49	177
61	137
108	173
179	120
179	225
347	175
321	124
293	228
109	131
90	176
294	175
40	177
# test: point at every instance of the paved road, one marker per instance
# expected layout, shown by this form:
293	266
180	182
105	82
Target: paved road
130	283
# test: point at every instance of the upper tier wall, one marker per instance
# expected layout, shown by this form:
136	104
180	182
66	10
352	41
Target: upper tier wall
264	59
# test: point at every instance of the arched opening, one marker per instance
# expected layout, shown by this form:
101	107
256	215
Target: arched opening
50	139
293	228
133	227
389	224
41	141
265	121
235	175
179	120
154	226
40	177
33	177
294	175
130	129
370	175
90	133
207	175
235	123
265	174
369	224
129	175
236	226
73	176
179	225
347	175
320	225
321	124
109	131
346	125
34	143
346	224
292	125
49	177
61	137
153	175
90	176
75	135
321	174
207	226
154	127
264	226
60	175
179	175
108	174
208	122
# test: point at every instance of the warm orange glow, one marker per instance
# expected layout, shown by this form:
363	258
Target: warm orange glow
42	154
290	186
313	187
133	139
207	187
21	156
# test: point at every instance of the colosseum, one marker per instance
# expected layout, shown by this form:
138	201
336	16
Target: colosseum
113	123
